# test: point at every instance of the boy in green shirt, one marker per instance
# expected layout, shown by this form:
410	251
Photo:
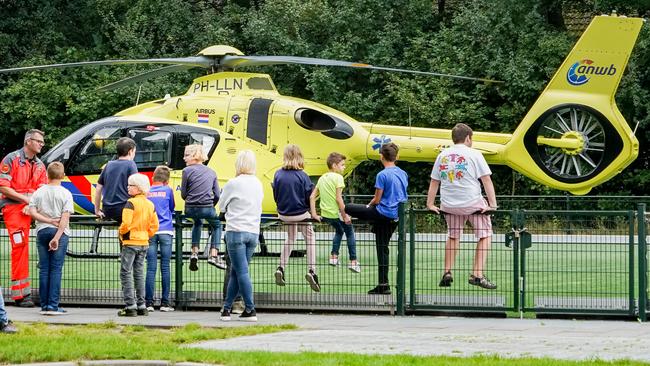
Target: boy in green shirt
330	186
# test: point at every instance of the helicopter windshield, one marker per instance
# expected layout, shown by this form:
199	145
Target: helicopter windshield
65	149
86	151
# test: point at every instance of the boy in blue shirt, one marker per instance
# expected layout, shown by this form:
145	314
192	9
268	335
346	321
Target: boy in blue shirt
111	198
390	190
162	197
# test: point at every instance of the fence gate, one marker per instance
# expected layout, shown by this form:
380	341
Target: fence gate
576	262
427	237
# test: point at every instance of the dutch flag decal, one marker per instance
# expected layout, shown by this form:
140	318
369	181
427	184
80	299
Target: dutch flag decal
203	118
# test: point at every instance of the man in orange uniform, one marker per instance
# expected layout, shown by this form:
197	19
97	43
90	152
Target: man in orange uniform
21	173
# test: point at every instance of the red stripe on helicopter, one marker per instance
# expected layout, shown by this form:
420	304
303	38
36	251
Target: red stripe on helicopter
82	184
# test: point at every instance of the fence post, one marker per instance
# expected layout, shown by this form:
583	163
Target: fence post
515	260
412	222
643	262
401	259
178	257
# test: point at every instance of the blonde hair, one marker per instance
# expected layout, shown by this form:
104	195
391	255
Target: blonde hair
292	158
55	171
140	181
245	163
196	152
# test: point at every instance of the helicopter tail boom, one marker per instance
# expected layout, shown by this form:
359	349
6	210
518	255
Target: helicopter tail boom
424	144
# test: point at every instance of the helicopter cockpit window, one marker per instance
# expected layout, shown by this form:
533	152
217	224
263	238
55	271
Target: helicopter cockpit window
152	148
96	152
206	141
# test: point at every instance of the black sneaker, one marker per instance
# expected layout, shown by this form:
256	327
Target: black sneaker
248	316
380	290
25	302
312	279
194	262
8	328
142	312
481	282
127	312
446	280
279	277
225	315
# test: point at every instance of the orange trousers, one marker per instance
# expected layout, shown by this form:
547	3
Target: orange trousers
18	225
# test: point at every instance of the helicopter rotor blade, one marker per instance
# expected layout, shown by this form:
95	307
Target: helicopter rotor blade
194	61
143	77
236	61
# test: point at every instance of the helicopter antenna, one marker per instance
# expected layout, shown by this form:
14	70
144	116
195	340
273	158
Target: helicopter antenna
410	122
635	127
137	99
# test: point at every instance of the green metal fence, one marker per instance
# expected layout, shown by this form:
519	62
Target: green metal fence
551	261
427	237
578	262
91	270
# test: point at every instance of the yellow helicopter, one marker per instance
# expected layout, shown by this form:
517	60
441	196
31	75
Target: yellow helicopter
573	138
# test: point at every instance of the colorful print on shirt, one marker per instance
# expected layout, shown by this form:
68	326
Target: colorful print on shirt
453	167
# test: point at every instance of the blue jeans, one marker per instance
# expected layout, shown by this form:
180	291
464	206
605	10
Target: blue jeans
209	214
341	227
3	313
132	274
50	264
241	246
165	241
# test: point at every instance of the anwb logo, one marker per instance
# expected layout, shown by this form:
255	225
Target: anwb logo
581	72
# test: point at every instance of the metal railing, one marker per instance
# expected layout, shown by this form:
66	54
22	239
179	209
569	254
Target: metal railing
542	261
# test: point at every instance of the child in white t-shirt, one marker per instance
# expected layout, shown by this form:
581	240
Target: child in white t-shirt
457	171
51	206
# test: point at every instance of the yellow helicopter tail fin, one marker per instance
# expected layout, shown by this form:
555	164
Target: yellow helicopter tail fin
574	137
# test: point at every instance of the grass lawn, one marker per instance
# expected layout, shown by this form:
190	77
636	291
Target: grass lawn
40	342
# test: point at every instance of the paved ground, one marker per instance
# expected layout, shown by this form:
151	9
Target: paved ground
416	335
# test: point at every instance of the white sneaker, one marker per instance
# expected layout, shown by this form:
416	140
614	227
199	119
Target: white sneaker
59	311
217	262
150	309
238	307
166	308
334	261
356	268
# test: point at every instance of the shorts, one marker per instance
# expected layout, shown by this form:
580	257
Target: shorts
457	217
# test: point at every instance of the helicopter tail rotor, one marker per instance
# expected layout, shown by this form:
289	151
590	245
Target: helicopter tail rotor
574	137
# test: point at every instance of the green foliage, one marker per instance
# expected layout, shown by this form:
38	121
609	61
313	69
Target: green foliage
519	42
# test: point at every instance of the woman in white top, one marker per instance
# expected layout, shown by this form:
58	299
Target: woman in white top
241	200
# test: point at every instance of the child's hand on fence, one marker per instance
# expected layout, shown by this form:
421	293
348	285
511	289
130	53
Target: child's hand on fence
433	208
489	209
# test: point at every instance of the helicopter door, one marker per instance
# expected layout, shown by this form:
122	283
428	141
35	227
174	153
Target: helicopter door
278	130
153	147
257	127
237	113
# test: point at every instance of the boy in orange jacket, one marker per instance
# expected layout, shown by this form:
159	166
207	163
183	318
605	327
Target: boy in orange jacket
139	223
